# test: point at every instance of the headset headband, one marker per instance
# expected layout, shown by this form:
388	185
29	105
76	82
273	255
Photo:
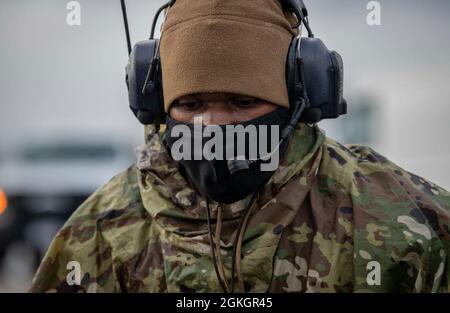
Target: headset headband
309	60
297	6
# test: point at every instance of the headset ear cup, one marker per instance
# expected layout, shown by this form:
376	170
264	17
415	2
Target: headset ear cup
147	106
324	79
319	78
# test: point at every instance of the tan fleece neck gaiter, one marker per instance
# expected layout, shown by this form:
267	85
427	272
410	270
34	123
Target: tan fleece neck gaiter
226	46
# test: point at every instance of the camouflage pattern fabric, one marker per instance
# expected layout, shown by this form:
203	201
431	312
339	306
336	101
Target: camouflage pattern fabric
329	217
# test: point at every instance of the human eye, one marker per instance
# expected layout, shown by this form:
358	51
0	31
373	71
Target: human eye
189	104
244	102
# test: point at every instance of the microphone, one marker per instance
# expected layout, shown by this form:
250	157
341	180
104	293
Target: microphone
236	165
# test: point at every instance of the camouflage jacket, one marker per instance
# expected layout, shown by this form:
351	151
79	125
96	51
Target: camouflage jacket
331	219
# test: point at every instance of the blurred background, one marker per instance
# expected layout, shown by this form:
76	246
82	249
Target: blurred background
65	126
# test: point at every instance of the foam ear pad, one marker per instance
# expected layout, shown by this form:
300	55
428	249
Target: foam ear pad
293	80
147	105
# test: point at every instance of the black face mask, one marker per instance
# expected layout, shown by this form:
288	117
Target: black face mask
228	180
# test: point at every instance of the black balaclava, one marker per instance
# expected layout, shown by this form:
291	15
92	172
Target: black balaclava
228	181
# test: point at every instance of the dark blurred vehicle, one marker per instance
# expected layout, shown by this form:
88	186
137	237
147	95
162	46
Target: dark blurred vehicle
43	183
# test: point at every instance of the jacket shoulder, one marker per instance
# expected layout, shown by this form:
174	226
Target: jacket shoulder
120	192
390	212
90	238
350	164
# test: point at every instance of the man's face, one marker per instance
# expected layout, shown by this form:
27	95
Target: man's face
219	108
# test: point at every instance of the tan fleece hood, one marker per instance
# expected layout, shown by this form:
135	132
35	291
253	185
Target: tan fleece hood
229	46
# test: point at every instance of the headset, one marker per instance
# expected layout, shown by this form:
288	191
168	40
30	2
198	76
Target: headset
314	75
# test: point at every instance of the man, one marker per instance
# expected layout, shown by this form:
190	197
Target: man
330	218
